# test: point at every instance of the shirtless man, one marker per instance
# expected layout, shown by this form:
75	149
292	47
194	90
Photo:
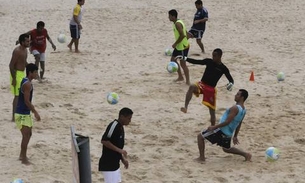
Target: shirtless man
17	67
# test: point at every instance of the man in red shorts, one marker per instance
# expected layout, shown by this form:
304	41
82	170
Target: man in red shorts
213	72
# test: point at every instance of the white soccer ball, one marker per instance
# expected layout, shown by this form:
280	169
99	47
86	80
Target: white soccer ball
168	51
272	154
112	98
172	67
280	76
17	181
61	38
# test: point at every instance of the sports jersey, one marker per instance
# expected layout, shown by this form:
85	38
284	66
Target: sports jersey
77	11
213	71
110	160
200	14
39	40
184	43
230	128
22	108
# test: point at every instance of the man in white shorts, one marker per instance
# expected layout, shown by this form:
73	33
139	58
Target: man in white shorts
39	45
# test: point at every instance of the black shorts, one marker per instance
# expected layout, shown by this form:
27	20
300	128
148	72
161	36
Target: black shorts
180	52
75	32
217	137
196	33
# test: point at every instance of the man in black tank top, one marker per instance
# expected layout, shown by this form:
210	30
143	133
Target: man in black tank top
213	72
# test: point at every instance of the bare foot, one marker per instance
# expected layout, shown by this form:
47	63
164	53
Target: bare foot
179	79
248	157
26	162
77	51
200	159
188	83
70	47
183	109
20	158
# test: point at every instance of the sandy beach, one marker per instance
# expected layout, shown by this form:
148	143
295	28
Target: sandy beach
122	50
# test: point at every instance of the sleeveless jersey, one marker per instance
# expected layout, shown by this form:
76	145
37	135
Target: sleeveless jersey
22	108
230	128
184	43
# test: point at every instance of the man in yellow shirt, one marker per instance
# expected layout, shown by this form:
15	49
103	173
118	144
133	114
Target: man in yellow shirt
75	26
181	46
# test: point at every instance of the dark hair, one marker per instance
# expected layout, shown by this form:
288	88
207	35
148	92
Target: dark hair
31	68
198	2
125	112
40	24
218	51
244	93
22	38
173	12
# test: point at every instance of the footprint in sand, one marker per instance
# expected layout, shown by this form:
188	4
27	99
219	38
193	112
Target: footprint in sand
300	141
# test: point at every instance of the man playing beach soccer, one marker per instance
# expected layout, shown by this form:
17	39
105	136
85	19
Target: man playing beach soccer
39	45
199	23
75	25
181	45
113	141
23	118
213	72
17	67
229	124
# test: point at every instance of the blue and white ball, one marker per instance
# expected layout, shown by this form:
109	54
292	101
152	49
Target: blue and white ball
169	51
272	154
112	98
172	67
61	38
17	181
280	76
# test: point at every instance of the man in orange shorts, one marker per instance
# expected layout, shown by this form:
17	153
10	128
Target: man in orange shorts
213	72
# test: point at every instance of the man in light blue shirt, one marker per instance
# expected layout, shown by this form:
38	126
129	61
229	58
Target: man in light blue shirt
228	127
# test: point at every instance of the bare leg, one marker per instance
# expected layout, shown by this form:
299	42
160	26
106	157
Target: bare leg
42	65
70	44
188	35
201	147
234	150
15	101
213	116
186	71
200	45
189	94
26	135
76	45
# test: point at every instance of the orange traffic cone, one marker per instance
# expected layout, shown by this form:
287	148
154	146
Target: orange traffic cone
251	76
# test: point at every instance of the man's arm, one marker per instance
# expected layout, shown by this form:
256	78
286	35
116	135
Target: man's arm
12	64
231	116
199	62
50	40
228	76
109	145
238	128
201	20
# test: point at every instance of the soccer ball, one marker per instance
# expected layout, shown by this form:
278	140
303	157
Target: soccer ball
61	38
172	67
112	98
272	154
280	76
168	51
17	181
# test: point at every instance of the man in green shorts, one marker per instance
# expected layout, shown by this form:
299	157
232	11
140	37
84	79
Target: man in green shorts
23	117
17	67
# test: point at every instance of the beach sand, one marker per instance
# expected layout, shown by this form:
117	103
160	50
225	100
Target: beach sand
122	50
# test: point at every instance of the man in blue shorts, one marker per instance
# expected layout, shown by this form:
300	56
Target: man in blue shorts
75	26
198	28
229	124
